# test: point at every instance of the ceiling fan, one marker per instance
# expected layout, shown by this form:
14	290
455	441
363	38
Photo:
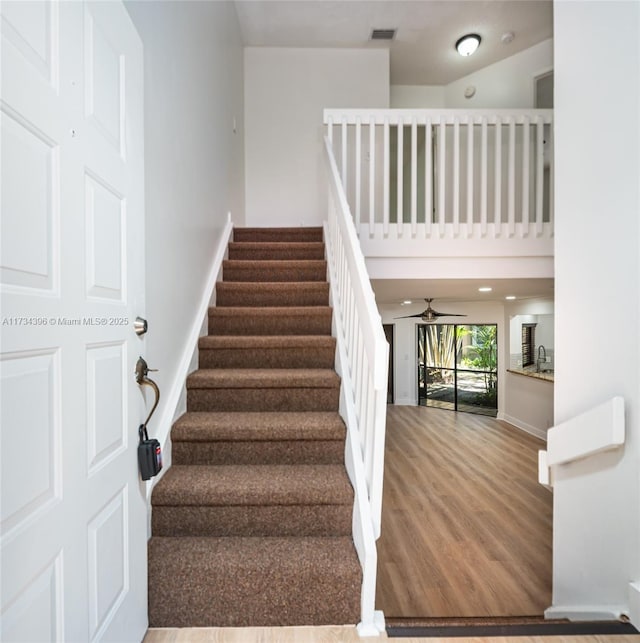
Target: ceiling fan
431	315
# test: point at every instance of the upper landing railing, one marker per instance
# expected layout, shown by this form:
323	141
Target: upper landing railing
447	174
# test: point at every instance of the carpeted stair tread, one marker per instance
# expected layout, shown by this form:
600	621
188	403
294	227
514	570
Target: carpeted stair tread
274	250
237	426
266	351
243	342
243	582
258	438
263	378
276	270
276	320
296	235
197	485
272	293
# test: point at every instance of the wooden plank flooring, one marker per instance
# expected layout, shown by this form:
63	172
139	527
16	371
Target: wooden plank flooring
341	635
466	528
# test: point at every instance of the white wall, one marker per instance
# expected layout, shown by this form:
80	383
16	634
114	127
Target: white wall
528	404
505	84
286	90
597	500
416	96
508	83
194	176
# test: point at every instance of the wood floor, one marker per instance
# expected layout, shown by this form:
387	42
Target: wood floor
340	635
466	528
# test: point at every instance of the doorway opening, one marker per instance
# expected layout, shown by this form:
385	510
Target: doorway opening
458	367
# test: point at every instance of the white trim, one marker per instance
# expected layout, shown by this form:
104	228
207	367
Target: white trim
375	628
585	612
599	429
405	401
634	604
523	426
185	365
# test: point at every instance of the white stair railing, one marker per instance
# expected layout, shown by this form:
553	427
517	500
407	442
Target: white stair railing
446	174
362	362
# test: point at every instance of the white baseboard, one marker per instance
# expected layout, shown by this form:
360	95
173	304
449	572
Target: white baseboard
176	396
405	401
373	629
585	612
523	426
634	604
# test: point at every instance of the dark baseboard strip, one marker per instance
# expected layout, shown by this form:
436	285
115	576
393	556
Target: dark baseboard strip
513	629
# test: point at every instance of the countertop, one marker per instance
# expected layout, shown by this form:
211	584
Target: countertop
546	376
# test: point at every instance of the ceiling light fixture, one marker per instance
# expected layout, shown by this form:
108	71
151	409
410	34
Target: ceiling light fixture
485	289
468	44
510	297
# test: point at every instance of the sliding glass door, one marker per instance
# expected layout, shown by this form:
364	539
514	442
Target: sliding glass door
457	367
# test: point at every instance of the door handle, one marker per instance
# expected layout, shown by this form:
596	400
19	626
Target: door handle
142	377
140	326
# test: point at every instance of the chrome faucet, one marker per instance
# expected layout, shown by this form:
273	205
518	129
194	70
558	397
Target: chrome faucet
542	356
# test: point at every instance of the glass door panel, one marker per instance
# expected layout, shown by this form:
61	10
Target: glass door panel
457	367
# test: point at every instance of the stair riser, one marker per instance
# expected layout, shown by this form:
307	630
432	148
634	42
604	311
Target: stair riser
239	294
265	521
315	324
266	358
254	452
277	235
272	399
217	588
254	272
290	252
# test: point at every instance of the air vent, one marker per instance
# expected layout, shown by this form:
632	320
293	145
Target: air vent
383	34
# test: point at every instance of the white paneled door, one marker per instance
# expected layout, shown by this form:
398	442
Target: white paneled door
73	511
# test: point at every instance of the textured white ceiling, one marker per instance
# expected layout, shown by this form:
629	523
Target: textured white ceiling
423	51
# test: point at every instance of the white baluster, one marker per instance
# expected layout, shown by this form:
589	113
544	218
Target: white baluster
442	143
399	184
386	179
456	176
539	173
372	174
428	177
483	177
525	176
414	176
497	187
511	204
470	176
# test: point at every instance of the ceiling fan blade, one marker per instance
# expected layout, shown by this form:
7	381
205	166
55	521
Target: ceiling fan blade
448	314
408	316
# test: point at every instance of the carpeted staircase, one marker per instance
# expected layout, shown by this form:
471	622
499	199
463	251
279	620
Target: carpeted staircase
252	523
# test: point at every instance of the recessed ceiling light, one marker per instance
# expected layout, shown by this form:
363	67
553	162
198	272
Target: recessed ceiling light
510	297
468	44
485	289
406	302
